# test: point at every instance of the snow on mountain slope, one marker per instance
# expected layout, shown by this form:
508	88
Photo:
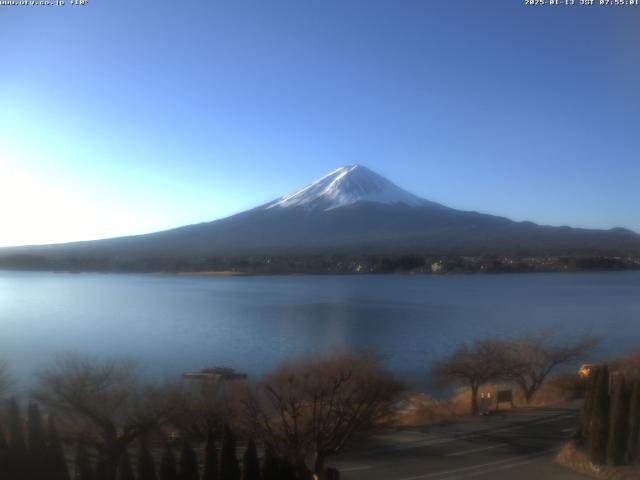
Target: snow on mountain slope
346	186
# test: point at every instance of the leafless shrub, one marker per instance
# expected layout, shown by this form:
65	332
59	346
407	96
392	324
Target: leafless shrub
102	404
531	359
525	362
196	412
314	408
473	366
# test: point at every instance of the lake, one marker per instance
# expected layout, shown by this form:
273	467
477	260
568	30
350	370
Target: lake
173	324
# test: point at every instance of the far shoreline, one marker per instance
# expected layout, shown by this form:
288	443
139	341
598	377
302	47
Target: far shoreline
231	273
207	273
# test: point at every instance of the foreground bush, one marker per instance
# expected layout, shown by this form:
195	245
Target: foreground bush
314	408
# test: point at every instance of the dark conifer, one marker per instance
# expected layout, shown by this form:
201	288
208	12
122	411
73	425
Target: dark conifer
56	461
168	466
4	455
631	456
250	462
188	463
146	466
331	474
37	444
302	472
105	470
102	469
229	465
599	427
18	462
270	465
210	459
17	441
587	406
287	470
83	468
125	470
619	423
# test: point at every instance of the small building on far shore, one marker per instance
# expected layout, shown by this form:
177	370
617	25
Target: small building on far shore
210	378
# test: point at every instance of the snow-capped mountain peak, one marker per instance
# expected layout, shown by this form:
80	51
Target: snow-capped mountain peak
346	186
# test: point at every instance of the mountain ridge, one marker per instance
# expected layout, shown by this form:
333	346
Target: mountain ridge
350	211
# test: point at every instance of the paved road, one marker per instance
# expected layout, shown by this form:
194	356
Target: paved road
518	444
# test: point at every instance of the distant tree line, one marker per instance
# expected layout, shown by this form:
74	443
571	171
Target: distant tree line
324	263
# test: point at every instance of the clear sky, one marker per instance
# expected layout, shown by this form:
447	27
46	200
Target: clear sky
123	117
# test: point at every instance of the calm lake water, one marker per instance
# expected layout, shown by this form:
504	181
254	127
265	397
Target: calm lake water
174	324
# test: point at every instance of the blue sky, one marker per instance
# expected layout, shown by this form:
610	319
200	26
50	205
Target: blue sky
124	117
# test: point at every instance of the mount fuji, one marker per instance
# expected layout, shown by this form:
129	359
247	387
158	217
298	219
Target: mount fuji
347	186
350	211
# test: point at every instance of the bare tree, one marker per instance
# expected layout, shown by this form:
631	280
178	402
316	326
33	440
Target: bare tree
200	412
531	359
474	366
102	404
313	409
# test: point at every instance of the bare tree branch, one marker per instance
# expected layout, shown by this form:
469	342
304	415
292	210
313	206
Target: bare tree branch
102	402
531	359
314	408
474	366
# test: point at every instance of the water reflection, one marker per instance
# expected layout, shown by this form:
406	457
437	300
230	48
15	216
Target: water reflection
174	324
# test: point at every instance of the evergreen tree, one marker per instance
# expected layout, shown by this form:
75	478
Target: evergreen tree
188	463
619	423
104	468
287	470
125	470
302	472
634	424
56	461
270	466
17	461
210	459
331	474
229	465
599	426
168	467
146	466
250	462
4	455
83	469
37	444
587	406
